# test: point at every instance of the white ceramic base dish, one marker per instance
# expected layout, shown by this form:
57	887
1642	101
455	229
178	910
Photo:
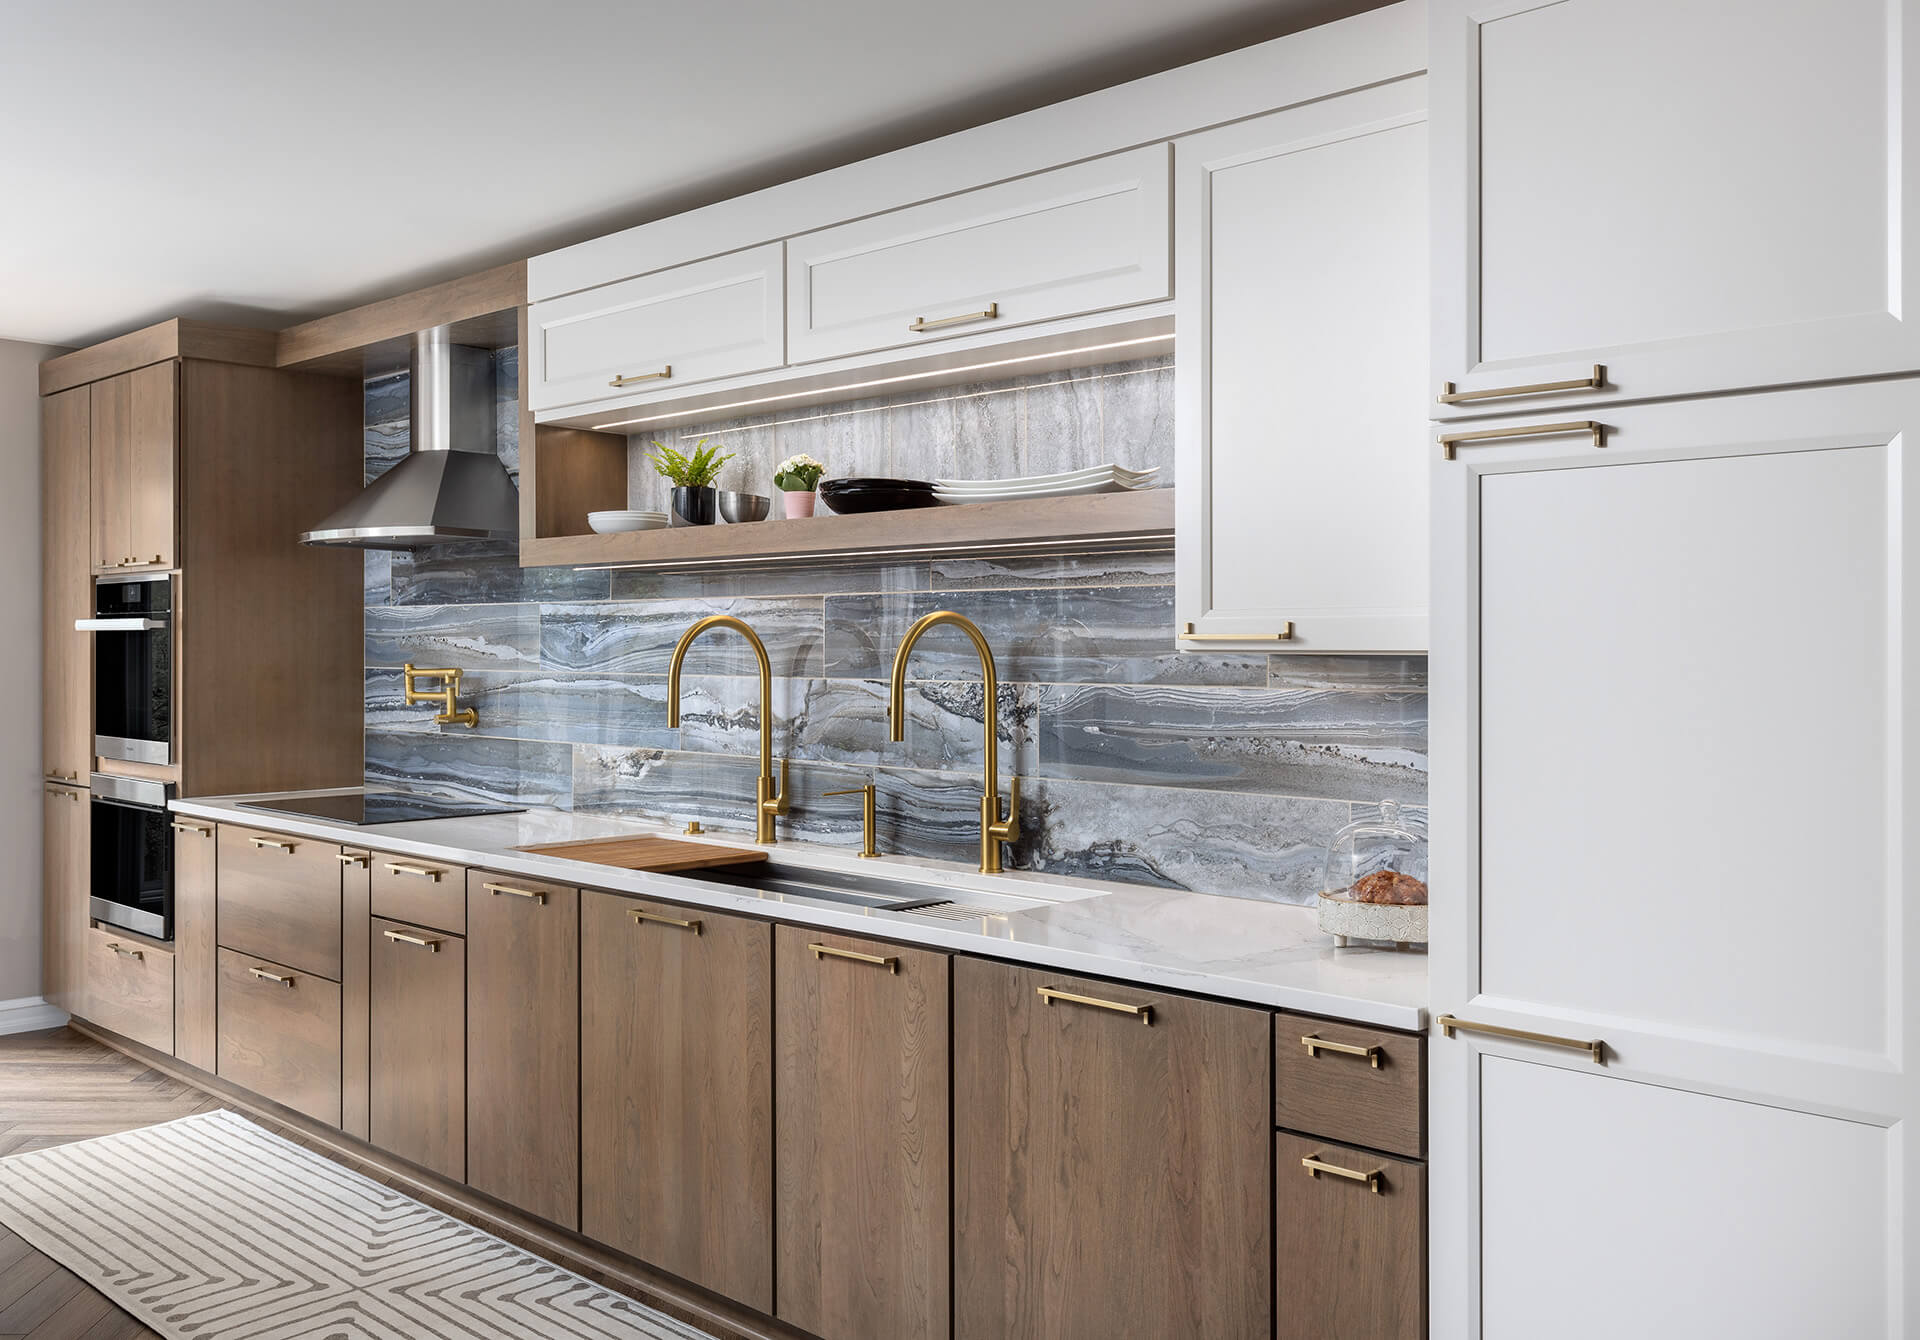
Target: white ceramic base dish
1397	922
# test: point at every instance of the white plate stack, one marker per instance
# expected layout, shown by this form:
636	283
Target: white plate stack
611	523
1108	478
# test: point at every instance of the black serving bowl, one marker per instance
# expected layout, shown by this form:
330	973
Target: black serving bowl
876	495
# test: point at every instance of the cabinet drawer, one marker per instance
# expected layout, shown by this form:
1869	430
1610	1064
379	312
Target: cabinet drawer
1365	1086
279	1034
278	897
1077	239
130	988
712	318
426	893
1349	1243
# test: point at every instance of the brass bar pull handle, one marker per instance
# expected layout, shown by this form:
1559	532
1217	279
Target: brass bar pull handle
888	962
1315	1044
425	872
352	858
1595	1049
58	776
1315	1166
125	952
658	920
660	376
67	792
266	976
531	894
1594	381
1597	431
1143	1012
1284	635
431	946
939	322
269	844
180	826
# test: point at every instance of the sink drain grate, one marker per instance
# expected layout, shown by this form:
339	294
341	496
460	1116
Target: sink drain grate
952	911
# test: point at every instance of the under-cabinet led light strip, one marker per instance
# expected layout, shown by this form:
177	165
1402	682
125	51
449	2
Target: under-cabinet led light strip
1103	543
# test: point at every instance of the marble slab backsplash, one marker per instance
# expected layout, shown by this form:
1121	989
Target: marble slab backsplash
1221	773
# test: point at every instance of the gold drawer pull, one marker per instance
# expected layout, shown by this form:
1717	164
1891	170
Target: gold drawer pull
1315	1166
1595	1049
1145	1012
921	323
65	791
180	826
658	920
1284	635
125	952
352	858
58	776
659	376
271	845
498	889
1597	431
425	872
1595	381
431	946
1315	1044
886	961
266	976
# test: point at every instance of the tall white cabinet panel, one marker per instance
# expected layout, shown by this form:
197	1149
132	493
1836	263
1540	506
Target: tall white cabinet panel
1300	401
1692	196
1671	812
1077	239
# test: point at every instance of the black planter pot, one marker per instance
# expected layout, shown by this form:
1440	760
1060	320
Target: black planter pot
695	507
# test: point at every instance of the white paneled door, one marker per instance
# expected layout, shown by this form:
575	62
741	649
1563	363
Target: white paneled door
1671	745
1693	195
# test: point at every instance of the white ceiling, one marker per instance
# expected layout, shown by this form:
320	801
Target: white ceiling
262	163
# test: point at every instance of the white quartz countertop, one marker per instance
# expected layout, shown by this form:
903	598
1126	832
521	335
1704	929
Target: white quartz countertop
1232	948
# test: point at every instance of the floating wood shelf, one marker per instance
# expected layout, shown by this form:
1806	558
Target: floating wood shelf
1037	525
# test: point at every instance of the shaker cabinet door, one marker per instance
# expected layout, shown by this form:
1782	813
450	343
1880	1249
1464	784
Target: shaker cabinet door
1691	196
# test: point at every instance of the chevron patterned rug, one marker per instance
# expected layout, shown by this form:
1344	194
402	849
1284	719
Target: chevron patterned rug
210	1228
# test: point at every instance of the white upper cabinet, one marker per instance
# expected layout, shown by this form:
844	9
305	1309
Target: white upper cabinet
1302	319
712	318
1074	240
1691	195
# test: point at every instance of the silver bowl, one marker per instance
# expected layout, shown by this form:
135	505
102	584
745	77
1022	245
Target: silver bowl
738	507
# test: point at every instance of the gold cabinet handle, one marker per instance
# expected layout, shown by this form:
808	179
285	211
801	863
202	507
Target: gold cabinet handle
271	845
125	952
530	894
1595	1049
266	976
939	322
1316	1165
57	776
1143	1012
658	920
1597	431
1315	1044
1284	635
352	858
431	946
65	791
659	376
425	872
1594	381
886	961
181	826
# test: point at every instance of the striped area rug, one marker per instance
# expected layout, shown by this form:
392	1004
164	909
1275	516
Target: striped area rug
210	1228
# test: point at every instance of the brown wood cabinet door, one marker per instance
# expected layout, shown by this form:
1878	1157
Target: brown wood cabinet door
279	1034
676	1091
63	893
862	1147
195	954
523	1044
130	988
1351	1254
1112	1171
151	460
417	1064
66	703
111	456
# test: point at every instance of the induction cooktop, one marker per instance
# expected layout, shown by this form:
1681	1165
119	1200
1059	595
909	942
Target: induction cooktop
378	807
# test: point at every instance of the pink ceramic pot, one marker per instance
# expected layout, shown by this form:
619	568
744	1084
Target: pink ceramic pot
798	504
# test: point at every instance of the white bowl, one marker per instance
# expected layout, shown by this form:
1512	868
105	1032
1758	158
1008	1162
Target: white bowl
613	523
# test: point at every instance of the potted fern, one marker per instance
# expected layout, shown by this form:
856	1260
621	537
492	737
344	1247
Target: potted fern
797	477
692	474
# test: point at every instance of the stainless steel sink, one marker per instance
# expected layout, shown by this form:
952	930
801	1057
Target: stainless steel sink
823	886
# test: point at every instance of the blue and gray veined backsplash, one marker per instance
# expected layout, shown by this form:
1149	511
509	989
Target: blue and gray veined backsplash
1223	773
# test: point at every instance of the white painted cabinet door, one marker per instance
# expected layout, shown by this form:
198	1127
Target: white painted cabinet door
1301	317
714	318
1077	239
1671	812
1693	195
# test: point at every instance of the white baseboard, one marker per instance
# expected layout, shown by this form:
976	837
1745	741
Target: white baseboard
28	1014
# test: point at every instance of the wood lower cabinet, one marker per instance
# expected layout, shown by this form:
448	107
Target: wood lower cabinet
676	1091
1350	1242
130	988
279	1034
417	1067
195	944
862	1145
523	1044
1112	1160
66	859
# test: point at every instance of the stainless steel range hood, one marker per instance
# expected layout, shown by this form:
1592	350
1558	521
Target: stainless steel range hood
451	486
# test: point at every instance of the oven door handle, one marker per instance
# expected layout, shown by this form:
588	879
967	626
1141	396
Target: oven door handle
118	625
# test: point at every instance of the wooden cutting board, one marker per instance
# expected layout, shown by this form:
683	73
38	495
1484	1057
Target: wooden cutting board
649	853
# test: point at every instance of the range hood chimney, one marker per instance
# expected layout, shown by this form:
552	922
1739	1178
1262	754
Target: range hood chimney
451	486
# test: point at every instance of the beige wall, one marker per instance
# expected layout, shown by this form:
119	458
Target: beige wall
20	761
